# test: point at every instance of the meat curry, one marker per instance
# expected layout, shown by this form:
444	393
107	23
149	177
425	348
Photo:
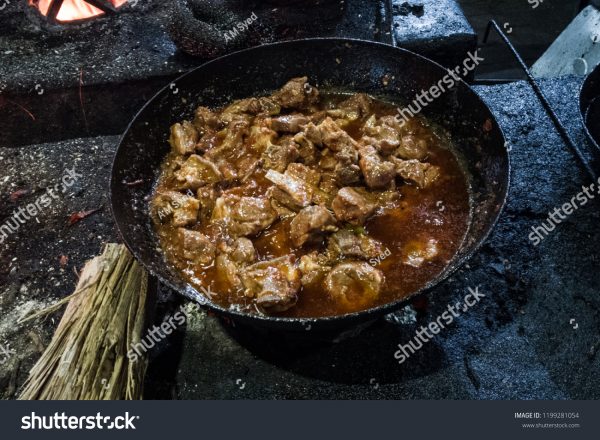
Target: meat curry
307	204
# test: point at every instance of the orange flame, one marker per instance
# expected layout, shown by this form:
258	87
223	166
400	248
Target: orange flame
73	9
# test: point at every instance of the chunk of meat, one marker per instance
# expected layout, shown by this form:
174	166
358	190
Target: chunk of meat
196	172
274	283
307	152
197	247
318	117
231	147
207	196
354	285
278	157
387	199
329	184
250	106
347	244
310	223
297	94
328	160
242	251
328	188
252	215
421	173
269	106
284	202
381	135
292	123
419	251
243	216
392	121
310	176
295	187
411	148
347	174
313	134
314	267
183	209
291	189
206	120
231	261
183	137
347	170
261	137
356	107
347	154
333	137
207	142
240	106
282	210
246	167
351	206
234	120
227	169
377	172
228	272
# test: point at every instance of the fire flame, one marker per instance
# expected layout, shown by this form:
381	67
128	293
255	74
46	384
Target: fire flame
73	9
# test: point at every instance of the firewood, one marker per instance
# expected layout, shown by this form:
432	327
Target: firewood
87	356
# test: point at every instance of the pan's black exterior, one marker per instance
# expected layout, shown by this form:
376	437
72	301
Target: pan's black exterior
331	64
589	105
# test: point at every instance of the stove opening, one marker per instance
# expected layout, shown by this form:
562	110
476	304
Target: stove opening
75	11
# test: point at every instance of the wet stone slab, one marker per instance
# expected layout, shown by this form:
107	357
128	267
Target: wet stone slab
437	29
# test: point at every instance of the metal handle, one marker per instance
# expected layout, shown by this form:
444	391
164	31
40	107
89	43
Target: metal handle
587	166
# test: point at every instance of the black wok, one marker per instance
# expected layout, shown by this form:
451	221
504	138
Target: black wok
589	105
341	65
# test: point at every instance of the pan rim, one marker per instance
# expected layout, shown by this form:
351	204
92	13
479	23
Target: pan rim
363	315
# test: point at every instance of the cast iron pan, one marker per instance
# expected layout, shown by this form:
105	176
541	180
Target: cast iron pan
589	104
341	65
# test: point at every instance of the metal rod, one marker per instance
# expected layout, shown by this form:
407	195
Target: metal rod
53	10
102	5
545	103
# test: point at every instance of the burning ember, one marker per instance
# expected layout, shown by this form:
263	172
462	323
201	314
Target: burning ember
66	11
